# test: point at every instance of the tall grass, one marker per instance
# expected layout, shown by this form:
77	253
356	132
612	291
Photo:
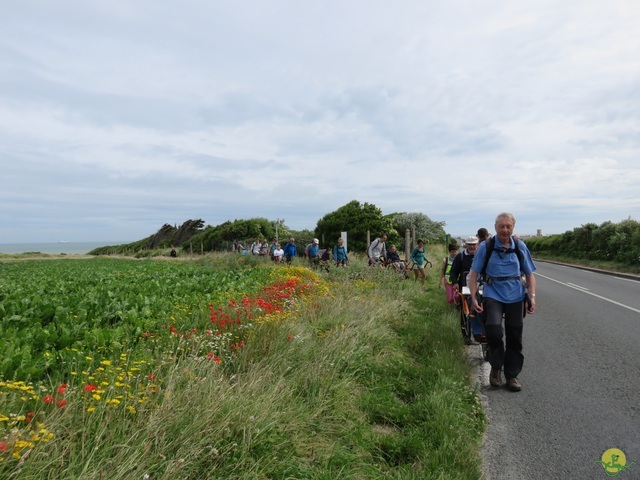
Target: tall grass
368	382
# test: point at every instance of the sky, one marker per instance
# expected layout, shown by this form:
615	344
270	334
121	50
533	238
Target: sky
117	117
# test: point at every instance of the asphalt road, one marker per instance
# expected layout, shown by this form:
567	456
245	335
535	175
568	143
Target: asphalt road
581	382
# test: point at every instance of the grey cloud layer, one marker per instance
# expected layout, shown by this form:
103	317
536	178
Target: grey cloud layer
127	114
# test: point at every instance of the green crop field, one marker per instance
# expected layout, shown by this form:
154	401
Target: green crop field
51	308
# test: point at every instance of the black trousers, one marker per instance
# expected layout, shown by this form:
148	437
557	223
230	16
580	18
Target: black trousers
504	352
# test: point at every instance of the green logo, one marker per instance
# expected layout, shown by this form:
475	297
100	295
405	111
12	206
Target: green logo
614	461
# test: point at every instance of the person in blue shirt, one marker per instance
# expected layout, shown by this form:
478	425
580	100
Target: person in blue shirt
340	253
504	295
272	248
290	250
312	253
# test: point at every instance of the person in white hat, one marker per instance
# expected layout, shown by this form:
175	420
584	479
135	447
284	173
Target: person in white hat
312	253
458	277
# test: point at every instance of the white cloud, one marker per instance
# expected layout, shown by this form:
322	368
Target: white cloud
119	116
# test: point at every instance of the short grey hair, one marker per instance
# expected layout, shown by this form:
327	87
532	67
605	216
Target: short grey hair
508	215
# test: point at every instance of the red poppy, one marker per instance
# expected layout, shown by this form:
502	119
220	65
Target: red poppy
61	403
4	446
151	376
29	417
48	399
62	389
90	388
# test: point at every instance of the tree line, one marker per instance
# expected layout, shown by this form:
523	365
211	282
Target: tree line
355	218
610	242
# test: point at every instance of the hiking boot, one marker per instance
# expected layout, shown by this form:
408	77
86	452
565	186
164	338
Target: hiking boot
495	377
514	385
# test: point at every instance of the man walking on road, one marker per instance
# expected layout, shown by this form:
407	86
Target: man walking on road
501	261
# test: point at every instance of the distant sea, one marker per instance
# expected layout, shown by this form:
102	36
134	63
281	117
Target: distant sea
55	248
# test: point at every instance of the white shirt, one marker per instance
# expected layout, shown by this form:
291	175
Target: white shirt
376	248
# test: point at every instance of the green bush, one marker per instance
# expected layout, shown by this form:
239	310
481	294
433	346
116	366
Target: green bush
618	243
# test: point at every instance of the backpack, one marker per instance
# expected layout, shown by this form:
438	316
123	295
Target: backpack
491	243
374	244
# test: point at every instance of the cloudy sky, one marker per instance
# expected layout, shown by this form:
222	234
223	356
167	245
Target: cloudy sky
119	116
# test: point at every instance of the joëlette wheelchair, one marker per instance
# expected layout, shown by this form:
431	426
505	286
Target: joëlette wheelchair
467	316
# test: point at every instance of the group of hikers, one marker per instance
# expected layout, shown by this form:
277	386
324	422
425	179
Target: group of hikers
502	264
377	253
312	252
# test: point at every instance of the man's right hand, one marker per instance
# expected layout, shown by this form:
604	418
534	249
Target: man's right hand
476	306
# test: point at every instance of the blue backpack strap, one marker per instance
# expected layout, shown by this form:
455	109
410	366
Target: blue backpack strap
491	243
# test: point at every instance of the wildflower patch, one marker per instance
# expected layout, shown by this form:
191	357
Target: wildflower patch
99	342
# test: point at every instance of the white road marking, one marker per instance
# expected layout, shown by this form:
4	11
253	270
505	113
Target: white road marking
580	289
625	279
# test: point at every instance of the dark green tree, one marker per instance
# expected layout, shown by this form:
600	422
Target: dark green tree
245	230
356	219
209	239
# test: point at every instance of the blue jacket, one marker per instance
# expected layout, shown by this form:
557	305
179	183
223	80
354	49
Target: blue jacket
312	250
290	250
340	253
